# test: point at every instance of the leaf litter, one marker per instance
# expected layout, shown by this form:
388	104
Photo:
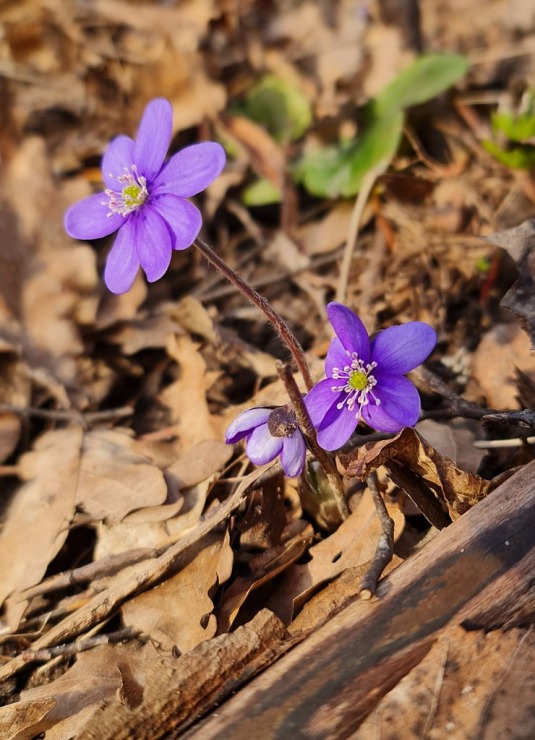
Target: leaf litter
121	506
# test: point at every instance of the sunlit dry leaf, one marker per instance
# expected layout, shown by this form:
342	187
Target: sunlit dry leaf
114	480
327	233
332	597
144	333
501	350
18	721
352	544
37	520
458	489
186	397
188	481
178	612
194	318
470	684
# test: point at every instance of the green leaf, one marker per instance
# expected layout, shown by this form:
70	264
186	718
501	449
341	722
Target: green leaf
516	128
336	171
262	192
280	106
340	170
426	78
517	157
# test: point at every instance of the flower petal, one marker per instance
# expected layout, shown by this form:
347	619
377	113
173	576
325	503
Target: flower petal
122	263
245	423
293	454
334	426
336	357
118	157
399	349
320	399
191	170
182	217
399	407
91	218
153	138
261	446
350	330
153	242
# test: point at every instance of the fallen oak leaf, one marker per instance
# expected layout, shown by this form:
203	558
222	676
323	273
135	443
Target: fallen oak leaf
39	513
351	545
99	675
106	602
164	613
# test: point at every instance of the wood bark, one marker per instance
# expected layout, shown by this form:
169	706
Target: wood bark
479	573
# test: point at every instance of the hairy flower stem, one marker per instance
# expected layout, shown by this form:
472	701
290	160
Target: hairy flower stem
309	433
276	321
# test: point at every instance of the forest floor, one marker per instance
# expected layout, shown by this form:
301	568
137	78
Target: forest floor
137	549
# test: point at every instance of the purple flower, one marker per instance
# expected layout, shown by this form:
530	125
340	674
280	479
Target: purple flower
268	433
365	380
145	200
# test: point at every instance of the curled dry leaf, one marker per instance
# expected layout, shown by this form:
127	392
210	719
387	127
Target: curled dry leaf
441	480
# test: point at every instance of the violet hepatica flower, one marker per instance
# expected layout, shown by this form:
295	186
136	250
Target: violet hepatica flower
365	379
145	198
269	433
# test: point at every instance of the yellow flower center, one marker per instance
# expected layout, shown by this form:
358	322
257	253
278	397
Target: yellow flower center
134	194
358	380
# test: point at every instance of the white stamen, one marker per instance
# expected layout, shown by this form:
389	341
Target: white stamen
121	202
355	397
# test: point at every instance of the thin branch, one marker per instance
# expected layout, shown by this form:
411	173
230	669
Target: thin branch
79	646
68	415
385	545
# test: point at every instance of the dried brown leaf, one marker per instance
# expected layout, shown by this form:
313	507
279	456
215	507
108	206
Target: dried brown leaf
352	544
186	397
114	479
99	675
520	242
501	350
265	567
458	489
470	684
37	519
178	612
